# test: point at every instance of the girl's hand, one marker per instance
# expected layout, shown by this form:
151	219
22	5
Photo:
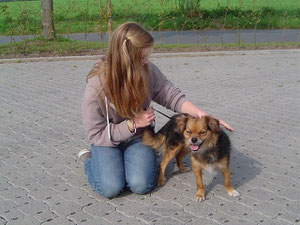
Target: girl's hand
191	109
226	125
144	118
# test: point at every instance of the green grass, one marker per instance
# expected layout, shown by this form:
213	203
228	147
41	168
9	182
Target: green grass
63	46
58	46
84	15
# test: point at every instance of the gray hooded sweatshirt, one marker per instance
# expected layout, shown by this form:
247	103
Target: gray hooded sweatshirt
103	125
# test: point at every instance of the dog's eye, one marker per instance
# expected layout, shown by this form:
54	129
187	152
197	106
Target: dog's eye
188	131
202	132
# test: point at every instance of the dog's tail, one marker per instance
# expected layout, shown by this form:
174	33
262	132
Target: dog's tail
152	139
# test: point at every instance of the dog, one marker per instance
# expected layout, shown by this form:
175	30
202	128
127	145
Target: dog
211	152
203	137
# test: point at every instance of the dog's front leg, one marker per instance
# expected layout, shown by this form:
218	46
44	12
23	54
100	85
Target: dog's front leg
198	175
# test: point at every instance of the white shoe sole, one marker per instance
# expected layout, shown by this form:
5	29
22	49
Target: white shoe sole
82	152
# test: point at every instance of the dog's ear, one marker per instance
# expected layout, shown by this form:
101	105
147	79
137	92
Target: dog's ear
212	123
181	123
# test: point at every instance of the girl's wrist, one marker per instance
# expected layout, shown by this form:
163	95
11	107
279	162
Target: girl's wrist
131	125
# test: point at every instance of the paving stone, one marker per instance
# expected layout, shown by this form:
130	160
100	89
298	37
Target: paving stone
168	221
41	193
202	221
165	209
147	200
257	218
183	200
97	220
22	181
61	206
11	214
235	221
165	193
268	209
183	216
293	207
99	209
24	220
85	201
79	217
283	181
54	182
290	193
59	221
289	217
149	217
45	215
7	206
118	218
132	209
73	194
234	209
18	195
33	208
76	180
261	194
279	201
219	217
245	200
200	209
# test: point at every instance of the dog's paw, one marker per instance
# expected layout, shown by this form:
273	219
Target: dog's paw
233	193
199	198
200	195
184	169
161	181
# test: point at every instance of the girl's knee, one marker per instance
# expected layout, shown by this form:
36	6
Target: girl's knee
110	190
141	186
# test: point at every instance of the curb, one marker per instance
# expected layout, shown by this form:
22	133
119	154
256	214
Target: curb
154	55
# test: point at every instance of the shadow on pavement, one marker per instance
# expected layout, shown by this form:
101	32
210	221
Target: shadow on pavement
243	170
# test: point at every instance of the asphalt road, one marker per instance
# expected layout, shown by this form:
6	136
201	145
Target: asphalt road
193	37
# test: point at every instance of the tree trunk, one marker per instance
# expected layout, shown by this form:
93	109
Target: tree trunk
109	18
48	31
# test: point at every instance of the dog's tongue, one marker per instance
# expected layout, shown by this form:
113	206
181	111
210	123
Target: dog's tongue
194	147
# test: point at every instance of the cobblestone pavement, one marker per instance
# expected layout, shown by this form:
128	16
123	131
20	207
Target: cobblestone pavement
257	92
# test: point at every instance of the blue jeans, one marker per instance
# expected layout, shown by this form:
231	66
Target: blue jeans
133	164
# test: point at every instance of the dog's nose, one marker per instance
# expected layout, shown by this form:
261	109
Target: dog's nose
194	140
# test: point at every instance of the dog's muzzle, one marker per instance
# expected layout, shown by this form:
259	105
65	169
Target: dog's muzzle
195	144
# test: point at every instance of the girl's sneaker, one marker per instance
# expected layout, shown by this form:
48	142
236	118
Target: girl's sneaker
84	154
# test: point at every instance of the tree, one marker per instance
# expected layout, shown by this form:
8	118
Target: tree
48	31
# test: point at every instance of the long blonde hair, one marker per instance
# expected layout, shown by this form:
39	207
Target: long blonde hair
126	79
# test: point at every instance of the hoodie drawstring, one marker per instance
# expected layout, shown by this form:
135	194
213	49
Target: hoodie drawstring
107	118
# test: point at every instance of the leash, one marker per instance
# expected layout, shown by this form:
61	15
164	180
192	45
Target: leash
162	113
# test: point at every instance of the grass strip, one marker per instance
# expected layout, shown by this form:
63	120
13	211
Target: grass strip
37	47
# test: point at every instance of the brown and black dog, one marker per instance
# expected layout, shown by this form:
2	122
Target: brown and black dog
203	137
